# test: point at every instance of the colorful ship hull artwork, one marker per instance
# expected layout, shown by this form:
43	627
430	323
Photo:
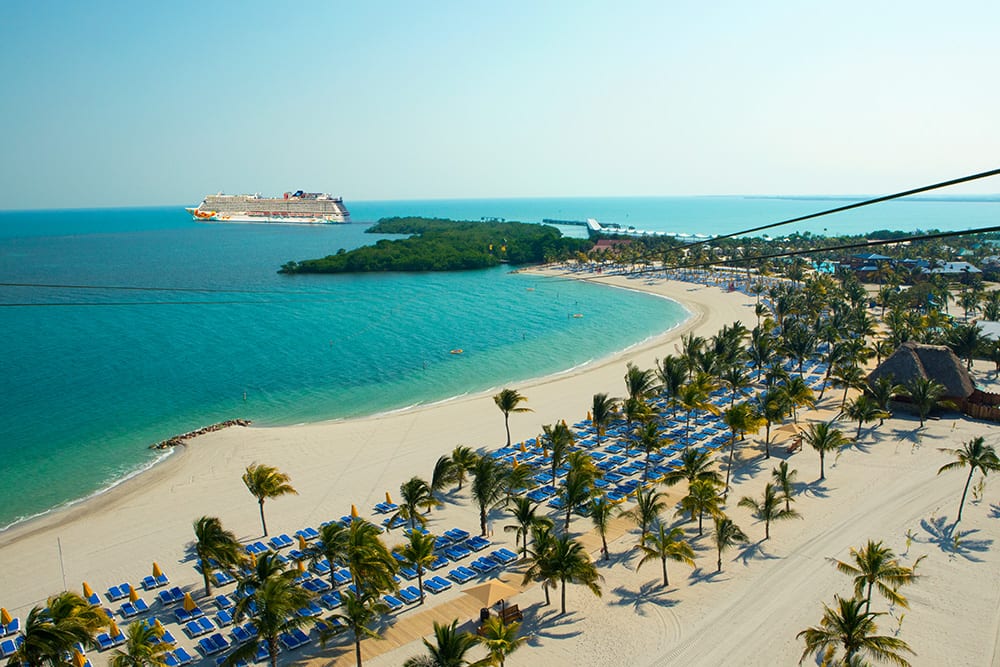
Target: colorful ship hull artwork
295	208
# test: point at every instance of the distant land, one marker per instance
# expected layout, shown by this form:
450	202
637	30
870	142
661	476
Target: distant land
989	199
437	244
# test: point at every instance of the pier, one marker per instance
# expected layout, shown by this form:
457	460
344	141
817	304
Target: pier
597	230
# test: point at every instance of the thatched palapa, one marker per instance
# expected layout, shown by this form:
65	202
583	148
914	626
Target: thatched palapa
937	362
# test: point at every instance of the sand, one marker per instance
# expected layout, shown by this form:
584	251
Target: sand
749	614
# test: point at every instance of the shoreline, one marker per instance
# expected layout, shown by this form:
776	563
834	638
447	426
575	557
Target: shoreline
166	472
178	442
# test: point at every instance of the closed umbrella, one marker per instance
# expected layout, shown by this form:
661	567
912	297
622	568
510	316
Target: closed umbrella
523	447
354	511
78	659
157	572
113	629
5	618
388	498
133	596
189	602
87	590
302	543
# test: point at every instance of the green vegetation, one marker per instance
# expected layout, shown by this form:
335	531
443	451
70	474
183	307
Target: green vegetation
436	244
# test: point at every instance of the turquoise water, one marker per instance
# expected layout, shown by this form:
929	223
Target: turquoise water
89	383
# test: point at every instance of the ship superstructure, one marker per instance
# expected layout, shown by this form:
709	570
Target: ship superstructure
304	208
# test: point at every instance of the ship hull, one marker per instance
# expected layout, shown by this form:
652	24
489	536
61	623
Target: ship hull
300	208
211	216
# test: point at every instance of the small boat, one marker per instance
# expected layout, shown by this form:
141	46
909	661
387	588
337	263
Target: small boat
577	315
457	350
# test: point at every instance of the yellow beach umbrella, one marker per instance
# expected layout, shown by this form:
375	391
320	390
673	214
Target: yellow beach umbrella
189	602
158	628
113	629
253	560
523	447
78	659
388	498
87	590
133	596
590	417
301	566
5	616
354	511
157	572
302	543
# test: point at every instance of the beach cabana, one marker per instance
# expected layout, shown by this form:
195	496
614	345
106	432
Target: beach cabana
936	362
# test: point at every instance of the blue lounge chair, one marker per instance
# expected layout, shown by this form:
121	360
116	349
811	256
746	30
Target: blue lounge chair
151	582
241	634
224	602
394	603
293	639
457	534
434	586
321	567
477	543
224	618
212	645
457	552
409	573
311	610
461	575
342	576
170	597
331	600
410	594
438	563
182	656
441	581
119	592
504	555
316	585
8	647
133	609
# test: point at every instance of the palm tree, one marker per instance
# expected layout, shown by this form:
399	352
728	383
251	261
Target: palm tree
695	396
882	390
636	410
369	560
727	535
864	409
672	374
357	614
559	439
579	482
463	459
215	546
977	455
569	563
539	565
663	544
882	348
602	411
143	647
772	406
601	512
448	650
823	437
500	639
798	394
740	418
415	495
703	497
524	513
443	475
853	630
849	377
509	400
417	551
648	506
272	609
639	383
694	465
651	442
266	482
52	631
768	508
875	566
924	393
736	378
331	546
785	480
487	487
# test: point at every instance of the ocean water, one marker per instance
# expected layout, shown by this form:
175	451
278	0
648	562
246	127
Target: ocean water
91	377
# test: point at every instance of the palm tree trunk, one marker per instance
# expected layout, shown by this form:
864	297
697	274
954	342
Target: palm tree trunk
729	468
858	436
208	583
357	647
718	564
262	522
868	598
972	470
420	581
666	582
767	529
272	651
767	441
506	423
701	518
563	581
482	520
604	544
822	472
545	587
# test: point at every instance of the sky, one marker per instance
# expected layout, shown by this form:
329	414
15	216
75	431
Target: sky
135	103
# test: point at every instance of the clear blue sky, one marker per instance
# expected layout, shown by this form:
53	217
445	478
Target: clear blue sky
132	103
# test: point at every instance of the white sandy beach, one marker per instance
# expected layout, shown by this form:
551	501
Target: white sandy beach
747	615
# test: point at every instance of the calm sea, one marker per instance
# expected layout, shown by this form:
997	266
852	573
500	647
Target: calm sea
92	376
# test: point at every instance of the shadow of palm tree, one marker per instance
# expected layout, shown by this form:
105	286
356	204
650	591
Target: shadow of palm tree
699	575
651	592
955	543
545	622
816	489
994	511
755	550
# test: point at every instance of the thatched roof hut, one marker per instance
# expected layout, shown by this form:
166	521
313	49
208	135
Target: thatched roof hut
937	362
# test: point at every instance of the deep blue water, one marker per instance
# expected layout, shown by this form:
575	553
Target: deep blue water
92	376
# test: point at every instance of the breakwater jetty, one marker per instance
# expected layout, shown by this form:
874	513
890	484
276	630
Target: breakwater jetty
180	439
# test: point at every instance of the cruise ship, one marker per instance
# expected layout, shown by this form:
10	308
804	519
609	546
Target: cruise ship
298	208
